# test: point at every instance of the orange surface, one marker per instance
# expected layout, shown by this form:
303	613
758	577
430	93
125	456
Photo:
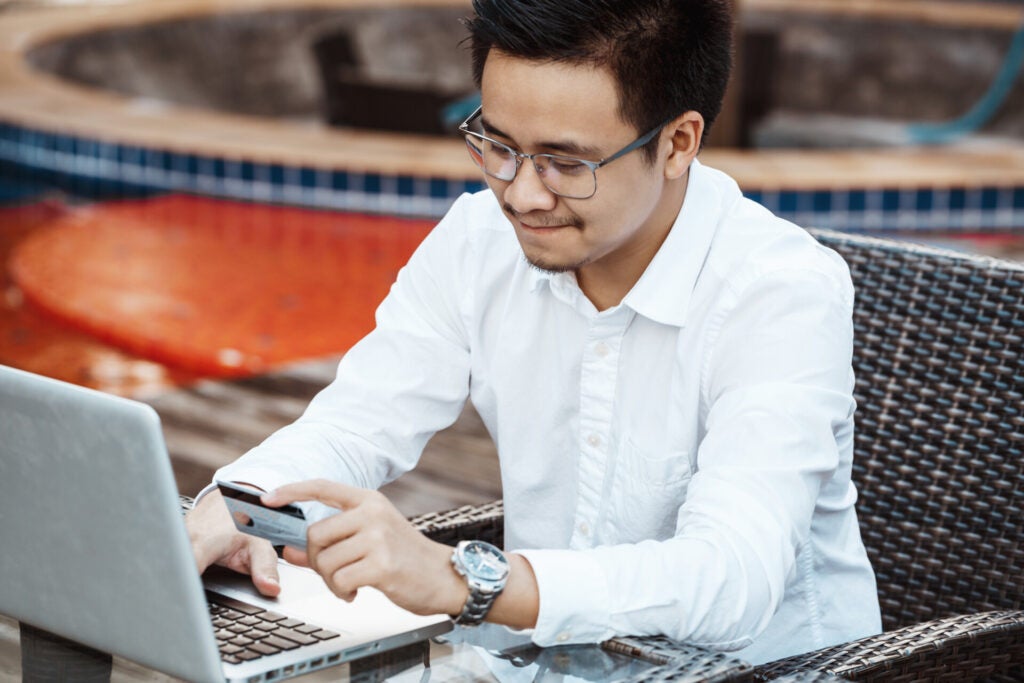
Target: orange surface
214	287
35	342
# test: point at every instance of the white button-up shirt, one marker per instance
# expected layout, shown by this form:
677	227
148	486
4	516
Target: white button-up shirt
678	464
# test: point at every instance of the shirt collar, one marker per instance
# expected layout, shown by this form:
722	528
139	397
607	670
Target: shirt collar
663	292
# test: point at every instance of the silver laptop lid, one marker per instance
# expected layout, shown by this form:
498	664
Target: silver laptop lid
94	548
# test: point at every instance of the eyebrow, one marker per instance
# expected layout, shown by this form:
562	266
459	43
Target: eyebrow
567	147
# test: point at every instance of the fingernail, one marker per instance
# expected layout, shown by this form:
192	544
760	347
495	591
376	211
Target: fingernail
269	497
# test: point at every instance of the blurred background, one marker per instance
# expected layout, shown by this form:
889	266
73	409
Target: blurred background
202	202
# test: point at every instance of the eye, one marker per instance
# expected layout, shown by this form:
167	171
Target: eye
500	151
567	167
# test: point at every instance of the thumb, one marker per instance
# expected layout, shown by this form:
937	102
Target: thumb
263	567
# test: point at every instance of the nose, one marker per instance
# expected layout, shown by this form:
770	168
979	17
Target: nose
526	192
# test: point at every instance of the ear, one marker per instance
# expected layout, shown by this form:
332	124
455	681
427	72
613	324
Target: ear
684	135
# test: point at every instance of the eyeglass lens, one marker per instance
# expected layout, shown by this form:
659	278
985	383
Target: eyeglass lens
563	176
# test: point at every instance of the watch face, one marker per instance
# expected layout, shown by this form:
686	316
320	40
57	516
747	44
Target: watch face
484	561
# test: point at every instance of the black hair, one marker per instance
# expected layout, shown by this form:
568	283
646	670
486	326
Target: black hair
667	56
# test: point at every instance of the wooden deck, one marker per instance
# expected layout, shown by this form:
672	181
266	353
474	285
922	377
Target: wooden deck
212	423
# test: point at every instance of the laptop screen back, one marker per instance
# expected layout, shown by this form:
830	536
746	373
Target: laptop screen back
94	548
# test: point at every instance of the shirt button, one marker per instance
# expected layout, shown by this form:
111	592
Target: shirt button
562	637
594	440
584	528
601	349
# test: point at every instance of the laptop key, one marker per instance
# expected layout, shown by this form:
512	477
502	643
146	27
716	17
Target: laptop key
307	628
230	659
238	628
229	649
272	616
294	636
266	627
241	640
264	649
232	614
247	609
249	621
324	634
278	642
248	655
289	623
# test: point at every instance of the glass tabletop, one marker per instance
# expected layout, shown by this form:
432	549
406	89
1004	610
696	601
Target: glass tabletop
487	653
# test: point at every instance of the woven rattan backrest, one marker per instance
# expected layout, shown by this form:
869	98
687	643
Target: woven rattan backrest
939	454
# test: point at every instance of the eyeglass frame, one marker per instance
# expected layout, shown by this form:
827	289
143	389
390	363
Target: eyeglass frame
520	156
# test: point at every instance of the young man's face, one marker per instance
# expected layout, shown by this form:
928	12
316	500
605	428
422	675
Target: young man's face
573	111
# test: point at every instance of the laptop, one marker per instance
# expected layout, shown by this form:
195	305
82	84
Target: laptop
95	550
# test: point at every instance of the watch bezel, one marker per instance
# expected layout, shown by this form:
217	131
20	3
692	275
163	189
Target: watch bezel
471	569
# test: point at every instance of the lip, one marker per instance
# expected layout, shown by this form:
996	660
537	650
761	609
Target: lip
541	228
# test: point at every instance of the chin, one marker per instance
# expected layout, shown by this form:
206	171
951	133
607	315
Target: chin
552	266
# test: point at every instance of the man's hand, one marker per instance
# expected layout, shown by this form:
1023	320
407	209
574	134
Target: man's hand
215	540
370	543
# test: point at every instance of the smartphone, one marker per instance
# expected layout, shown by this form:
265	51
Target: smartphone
285	525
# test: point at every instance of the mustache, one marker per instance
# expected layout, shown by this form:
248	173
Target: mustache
544	221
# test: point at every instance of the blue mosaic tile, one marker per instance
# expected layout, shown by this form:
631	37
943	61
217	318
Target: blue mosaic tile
924	200
890	200
989	198
339	180
307	177
788	202
406	186
439	188
957	199
92	167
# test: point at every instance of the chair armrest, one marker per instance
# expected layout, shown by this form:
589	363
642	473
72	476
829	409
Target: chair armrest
962	647
484	522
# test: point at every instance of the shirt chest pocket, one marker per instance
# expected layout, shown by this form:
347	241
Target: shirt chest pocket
647	491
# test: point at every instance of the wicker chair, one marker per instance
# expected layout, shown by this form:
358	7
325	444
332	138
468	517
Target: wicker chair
939	464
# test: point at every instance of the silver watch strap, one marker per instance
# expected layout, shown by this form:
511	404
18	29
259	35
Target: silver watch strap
478	604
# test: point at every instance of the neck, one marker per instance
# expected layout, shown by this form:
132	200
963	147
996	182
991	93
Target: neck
608	280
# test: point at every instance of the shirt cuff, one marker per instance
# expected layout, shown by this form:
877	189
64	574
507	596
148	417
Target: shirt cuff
574	599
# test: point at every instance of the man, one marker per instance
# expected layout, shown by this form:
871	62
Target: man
663	364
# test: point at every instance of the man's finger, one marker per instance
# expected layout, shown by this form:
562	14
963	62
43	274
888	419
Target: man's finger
329	493
263	567
295	556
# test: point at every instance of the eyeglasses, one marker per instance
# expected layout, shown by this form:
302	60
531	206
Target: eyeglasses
565	176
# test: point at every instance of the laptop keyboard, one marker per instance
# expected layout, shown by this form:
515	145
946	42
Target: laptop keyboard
246	632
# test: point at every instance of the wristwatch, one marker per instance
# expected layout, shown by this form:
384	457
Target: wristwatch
486	570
